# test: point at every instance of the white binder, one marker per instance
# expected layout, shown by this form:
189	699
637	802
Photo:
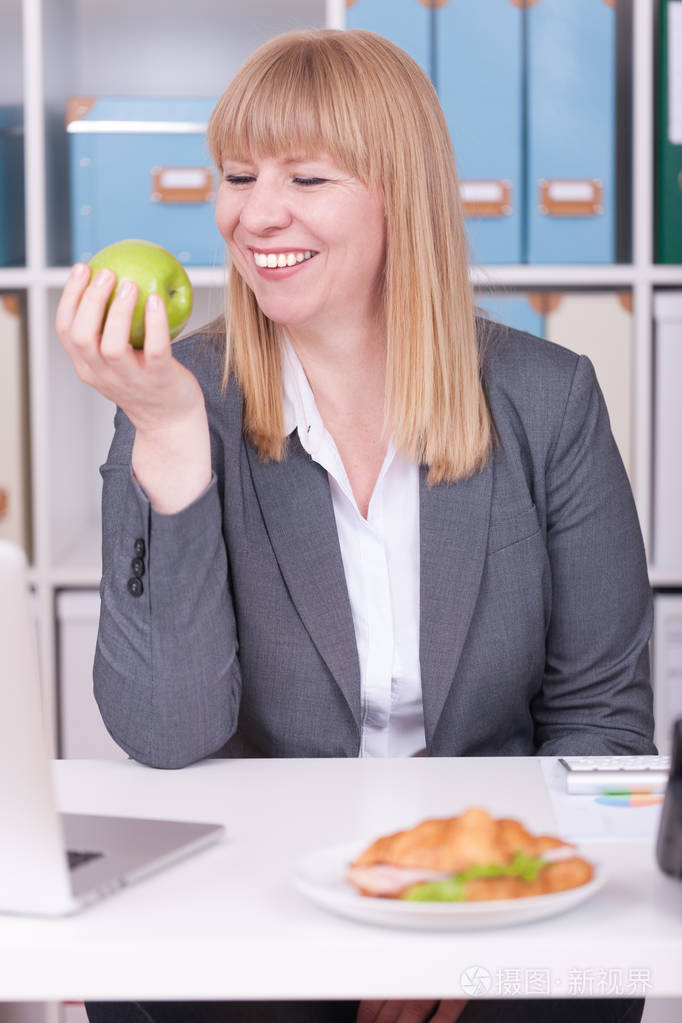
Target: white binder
668	433
667	667
599	325
14	444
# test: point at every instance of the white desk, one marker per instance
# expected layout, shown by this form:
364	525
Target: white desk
227	923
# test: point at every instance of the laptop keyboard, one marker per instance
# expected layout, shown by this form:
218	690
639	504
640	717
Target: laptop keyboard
77	859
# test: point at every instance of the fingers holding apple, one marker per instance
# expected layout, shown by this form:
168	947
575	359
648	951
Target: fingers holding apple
82	307
157	332
80	320
114	343
70	300
115	346
96	322
155	271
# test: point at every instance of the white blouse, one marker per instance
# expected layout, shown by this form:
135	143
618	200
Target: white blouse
381	563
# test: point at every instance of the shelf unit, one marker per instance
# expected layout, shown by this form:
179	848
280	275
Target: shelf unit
74	46
51	49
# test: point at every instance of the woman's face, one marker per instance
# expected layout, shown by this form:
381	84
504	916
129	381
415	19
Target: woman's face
281	209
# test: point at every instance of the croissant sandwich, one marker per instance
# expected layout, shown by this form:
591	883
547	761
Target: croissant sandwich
467	858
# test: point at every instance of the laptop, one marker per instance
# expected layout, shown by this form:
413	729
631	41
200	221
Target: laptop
53	864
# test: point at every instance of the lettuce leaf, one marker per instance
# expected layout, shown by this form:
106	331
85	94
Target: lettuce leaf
453	889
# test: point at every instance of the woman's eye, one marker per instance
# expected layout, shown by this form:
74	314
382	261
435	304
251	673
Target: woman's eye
243	179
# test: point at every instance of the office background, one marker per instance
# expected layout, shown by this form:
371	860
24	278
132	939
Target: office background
566	120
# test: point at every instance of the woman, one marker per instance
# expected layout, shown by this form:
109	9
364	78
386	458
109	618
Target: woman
363	521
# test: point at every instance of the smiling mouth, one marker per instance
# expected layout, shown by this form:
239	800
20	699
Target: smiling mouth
282	260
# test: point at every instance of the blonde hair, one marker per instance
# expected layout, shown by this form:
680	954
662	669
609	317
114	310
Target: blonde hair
361	99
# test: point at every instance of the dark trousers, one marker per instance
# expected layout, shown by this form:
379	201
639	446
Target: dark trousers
543	1010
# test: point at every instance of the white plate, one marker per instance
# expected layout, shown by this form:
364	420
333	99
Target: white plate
321	877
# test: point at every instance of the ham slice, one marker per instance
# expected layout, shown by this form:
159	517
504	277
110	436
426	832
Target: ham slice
558	853
387	882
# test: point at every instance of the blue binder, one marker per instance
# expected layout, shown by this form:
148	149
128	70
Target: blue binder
571	69
479	76
407	23
12	244
140	168
514	310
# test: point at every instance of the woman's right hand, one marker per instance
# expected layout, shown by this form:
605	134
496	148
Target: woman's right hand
154	390
171	455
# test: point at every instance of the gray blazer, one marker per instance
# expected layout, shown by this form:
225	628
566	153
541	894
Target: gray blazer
535	610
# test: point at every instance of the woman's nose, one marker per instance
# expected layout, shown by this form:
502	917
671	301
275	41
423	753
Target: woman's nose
264	207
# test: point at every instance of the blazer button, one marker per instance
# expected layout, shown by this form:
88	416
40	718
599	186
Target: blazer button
139	548
135	587
137	565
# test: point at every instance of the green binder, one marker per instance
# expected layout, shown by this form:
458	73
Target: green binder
668	217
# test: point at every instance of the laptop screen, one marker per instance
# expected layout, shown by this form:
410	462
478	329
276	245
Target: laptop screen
32	862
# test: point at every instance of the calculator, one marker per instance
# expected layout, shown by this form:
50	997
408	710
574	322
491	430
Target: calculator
593	775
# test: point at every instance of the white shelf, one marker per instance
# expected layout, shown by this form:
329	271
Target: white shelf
665	578
18	279
621	275
618	275
664	275
200	276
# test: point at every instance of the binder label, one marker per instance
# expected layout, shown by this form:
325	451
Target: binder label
570	191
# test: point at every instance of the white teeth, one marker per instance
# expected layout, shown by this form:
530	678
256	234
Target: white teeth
281	259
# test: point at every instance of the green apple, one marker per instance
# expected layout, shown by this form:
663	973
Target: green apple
156	271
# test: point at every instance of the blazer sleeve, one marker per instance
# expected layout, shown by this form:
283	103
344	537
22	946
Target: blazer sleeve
166	671
596	696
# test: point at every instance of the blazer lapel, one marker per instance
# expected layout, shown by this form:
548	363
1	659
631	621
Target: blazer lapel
297	508
454	522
